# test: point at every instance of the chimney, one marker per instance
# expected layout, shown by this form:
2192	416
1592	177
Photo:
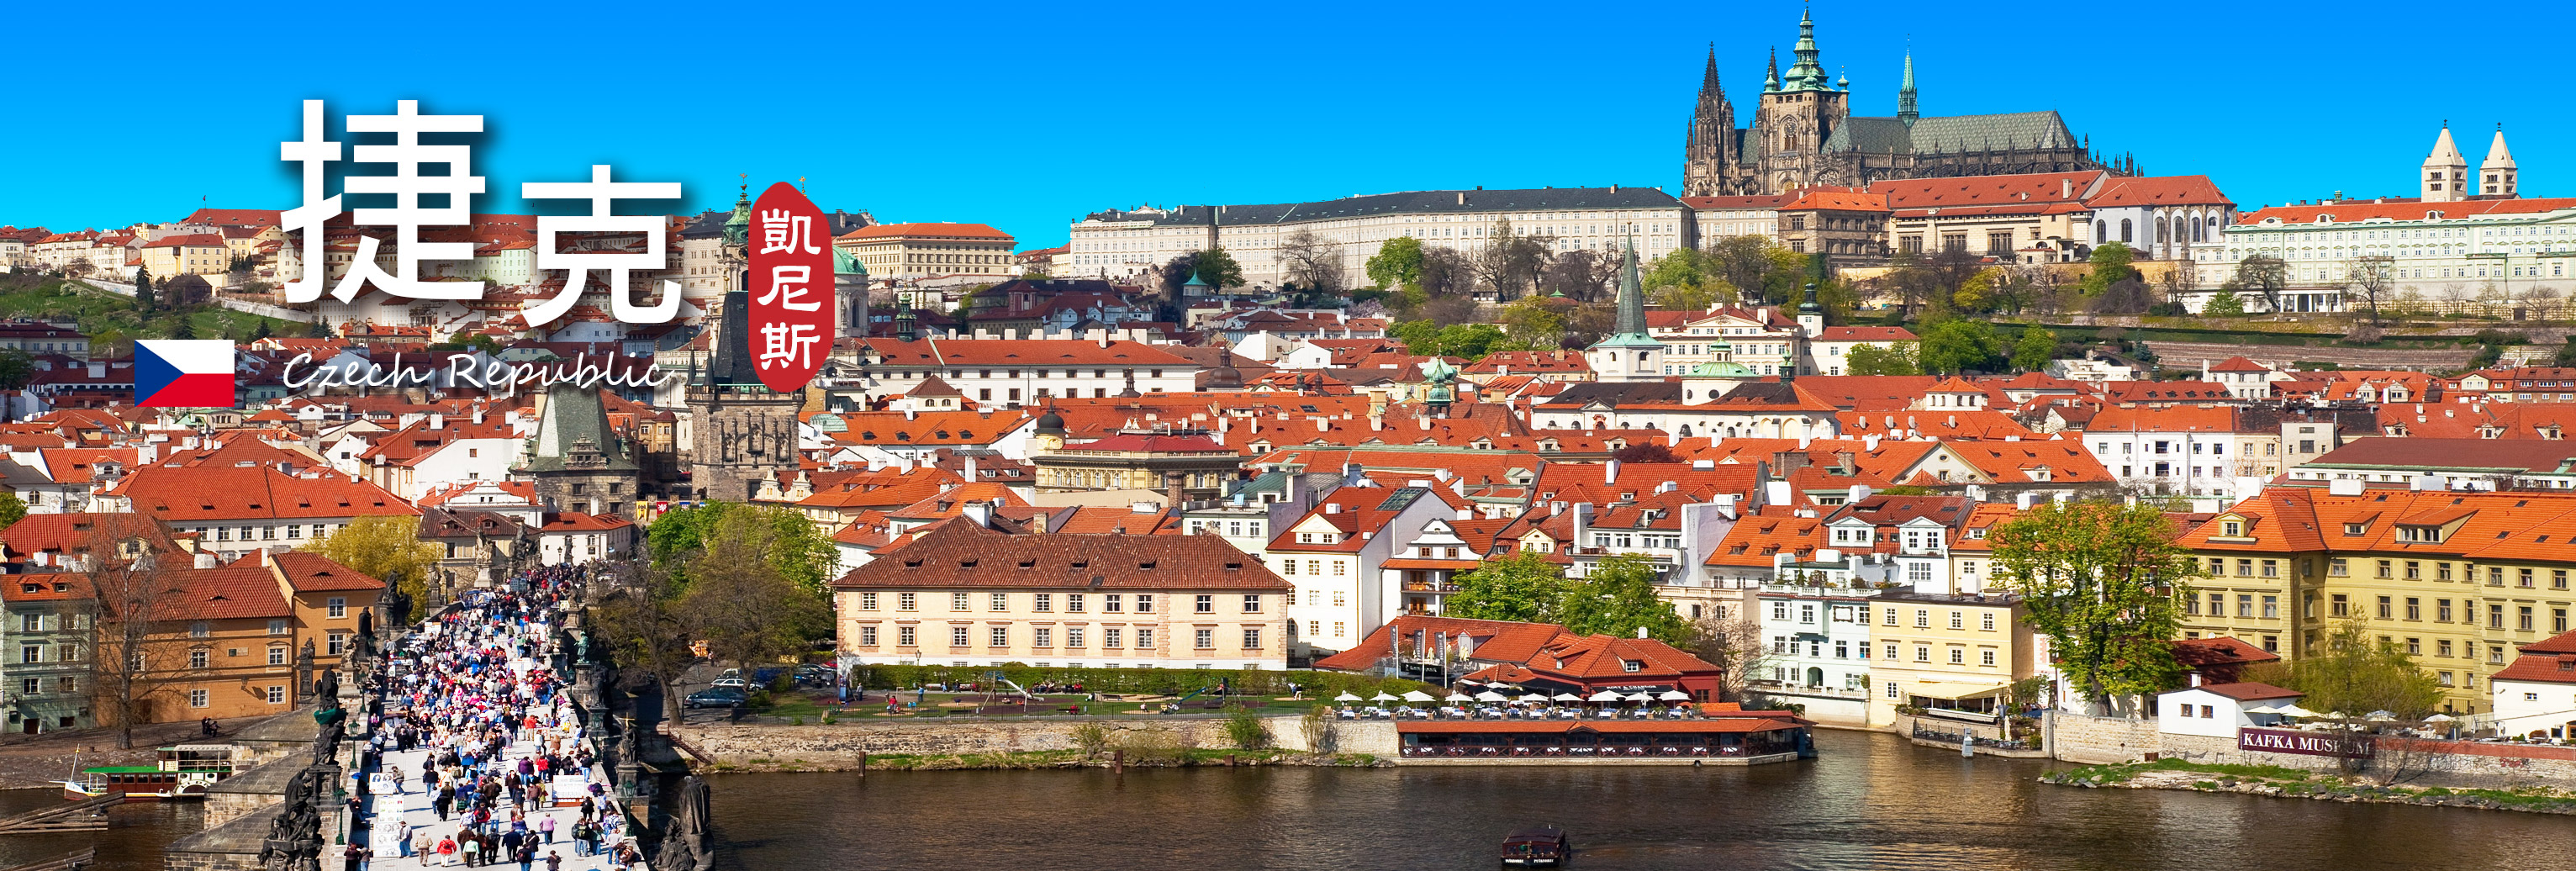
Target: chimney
1332	508
478	415
437	421
1610	472
1582	522
1869	443
978	513
1786	462
2065	188
2195	678
205	560
1846	462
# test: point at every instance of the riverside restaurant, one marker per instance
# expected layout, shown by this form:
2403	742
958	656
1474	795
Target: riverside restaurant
1744	738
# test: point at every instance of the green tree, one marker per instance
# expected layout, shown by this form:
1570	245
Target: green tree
16	366
1896	358
1692	297
1218	269
12	510
1617	598
1953	346
143	288
2034	349
1522	587
1684	267
2105	583
2223	304
2110	264
2354	672
800	550
741	599
1535	321
1398	263
183	327
387	548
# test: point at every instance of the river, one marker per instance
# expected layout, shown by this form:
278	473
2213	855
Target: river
1872	801
137	832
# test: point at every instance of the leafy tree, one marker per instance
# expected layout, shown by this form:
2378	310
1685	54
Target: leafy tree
16	366
143	288
2566	355
741	600
1684	267
2355	673
387	548
1536	321
2261	274
1522	587
2105	583
183	327
800	550
2034	349
1896	358
317	330
1978	292
1218	269
1617	598
12	510
2110	264
2223	304
1692	297
1953	346
1398	263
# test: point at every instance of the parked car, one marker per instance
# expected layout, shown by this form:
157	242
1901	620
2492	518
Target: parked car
732	683
766	675
717	697
816	675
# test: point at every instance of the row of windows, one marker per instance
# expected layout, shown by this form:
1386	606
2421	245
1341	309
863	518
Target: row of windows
274	694
1074	603
1111	638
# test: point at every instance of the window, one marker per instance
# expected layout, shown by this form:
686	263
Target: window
2524	612
1922	618
957	636
1112	637
1205	639
960	602
339	607
2442	610
1073	603
1922	653
2384	609
1042	602
1891	617
1338	600
2271	607
1252	603
2245	605
2495	616
2442	647
276	694
903	636
1958	620
1206	603
1144	638
1337	629
1144	605
2336	568
1252	639
277	654
1073	636
911	602
198	659
31	654
200	698
1986	658
2342	605
1958	656
1111	603
335	642
1042	637
2414	608
199	629
867	636
2524	579
867	602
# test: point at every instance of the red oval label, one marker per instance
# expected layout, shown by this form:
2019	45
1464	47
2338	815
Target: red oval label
791	288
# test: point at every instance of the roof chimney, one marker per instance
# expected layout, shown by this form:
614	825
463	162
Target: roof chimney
1610	472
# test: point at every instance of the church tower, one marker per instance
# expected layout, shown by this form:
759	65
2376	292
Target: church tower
2497	176
1630	353
1800	110
1906	110
1710	148
741	434
2446	173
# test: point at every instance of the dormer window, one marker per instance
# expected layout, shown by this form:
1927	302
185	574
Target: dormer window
2232	528
2420	534
1630	665
2354	528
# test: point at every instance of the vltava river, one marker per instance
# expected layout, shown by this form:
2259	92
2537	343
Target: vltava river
1871	802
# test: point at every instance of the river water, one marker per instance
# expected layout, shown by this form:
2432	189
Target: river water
132	842
1872	801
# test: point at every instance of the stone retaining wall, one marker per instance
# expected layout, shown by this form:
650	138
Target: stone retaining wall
2102	740
836	747
2108	740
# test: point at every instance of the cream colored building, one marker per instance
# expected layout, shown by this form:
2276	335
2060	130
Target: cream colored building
967	595
1944	651
923	250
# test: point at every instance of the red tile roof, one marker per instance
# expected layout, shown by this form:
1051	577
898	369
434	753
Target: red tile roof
926	229
967	556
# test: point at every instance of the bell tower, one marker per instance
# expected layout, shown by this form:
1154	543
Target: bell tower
2446	173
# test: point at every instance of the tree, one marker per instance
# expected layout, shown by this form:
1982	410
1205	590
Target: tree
1523	587
1397	264
183	327
1507	261
1684	269
1747	264
2263	275
12	510
387	548
800	550
2105	583
2539	299
2370	278
1954	346
1731	640
1217	268
143	288
1692	297
2223	304
1582	276
1536	321
1640	452
16	366
1618	598
642	626
134	665
2110	266
1446	272
740	602
2127	296
2355	673
1895	358
1311	262
2034	349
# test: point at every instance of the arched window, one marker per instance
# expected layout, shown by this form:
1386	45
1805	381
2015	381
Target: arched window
2160	232
2101	232
2198	227
2125	234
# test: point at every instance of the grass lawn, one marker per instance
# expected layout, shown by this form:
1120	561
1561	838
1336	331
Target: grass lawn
95	312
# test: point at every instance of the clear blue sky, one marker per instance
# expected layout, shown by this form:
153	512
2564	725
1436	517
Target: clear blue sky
1026	117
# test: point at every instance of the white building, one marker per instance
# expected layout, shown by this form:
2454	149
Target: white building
1134	242
1819	636
2218	710
2536	695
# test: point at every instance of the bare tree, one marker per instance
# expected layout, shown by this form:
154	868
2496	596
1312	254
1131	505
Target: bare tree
1508	262
135	595
1732	641
2458	294
1312	262
2261	274
1583	276
1446	272
2539	299
1744	261
2371	277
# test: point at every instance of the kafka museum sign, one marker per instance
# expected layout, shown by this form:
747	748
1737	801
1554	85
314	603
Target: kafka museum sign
2303	743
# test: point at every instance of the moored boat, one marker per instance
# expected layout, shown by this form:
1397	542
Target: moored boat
184	771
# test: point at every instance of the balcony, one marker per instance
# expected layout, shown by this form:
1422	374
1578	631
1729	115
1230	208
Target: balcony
1429	587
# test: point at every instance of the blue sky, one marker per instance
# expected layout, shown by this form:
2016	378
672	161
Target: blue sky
1026	117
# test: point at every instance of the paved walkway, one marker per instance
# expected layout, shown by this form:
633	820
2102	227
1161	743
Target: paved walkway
412	803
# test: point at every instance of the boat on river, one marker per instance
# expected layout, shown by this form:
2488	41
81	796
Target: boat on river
184	772
1536	846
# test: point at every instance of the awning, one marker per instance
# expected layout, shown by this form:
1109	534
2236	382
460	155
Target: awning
1953	690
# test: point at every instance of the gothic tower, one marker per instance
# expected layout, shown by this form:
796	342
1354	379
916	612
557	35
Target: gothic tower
1630	353
1709	150
2446	173
1799	112
1906	110
742	434
2497	175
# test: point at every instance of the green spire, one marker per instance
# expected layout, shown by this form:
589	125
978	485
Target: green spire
1806	74
1905	110
1771	78
1632	296
737	229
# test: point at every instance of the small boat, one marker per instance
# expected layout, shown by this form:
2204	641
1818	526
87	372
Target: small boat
184	772
1532	846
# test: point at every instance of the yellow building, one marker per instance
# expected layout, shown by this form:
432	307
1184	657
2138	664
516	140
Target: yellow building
1944	651
922	250
187	254
2458	580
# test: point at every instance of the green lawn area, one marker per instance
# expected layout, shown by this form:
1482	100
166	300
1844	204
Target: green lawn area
97	312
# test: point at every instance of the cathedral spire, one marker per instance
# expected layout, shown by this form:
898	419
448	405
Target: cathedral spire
1806	74
1771	79
1905	107
2498	171
1632	298
1708	78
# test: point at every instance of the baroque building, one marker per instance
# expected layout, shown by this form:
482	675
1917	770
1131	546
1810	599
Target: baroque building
742	435
1804	135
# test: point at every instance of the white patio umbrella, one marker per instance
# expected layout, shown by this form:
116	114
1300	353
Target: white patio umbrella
1346	697
1534	699
1491	696
2296	711
1606	696
1568	697
1641	697
1460	697
2381	715
2440	718
1417	696
1674	696
1381	697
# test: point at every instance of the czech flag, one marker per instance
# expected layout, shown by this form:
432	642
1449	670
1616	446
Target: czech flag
183	373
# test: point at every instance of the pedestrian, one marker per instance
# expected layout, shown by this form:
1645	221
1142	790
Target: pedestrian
546	827
554	861
526	854
473	850
446	851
